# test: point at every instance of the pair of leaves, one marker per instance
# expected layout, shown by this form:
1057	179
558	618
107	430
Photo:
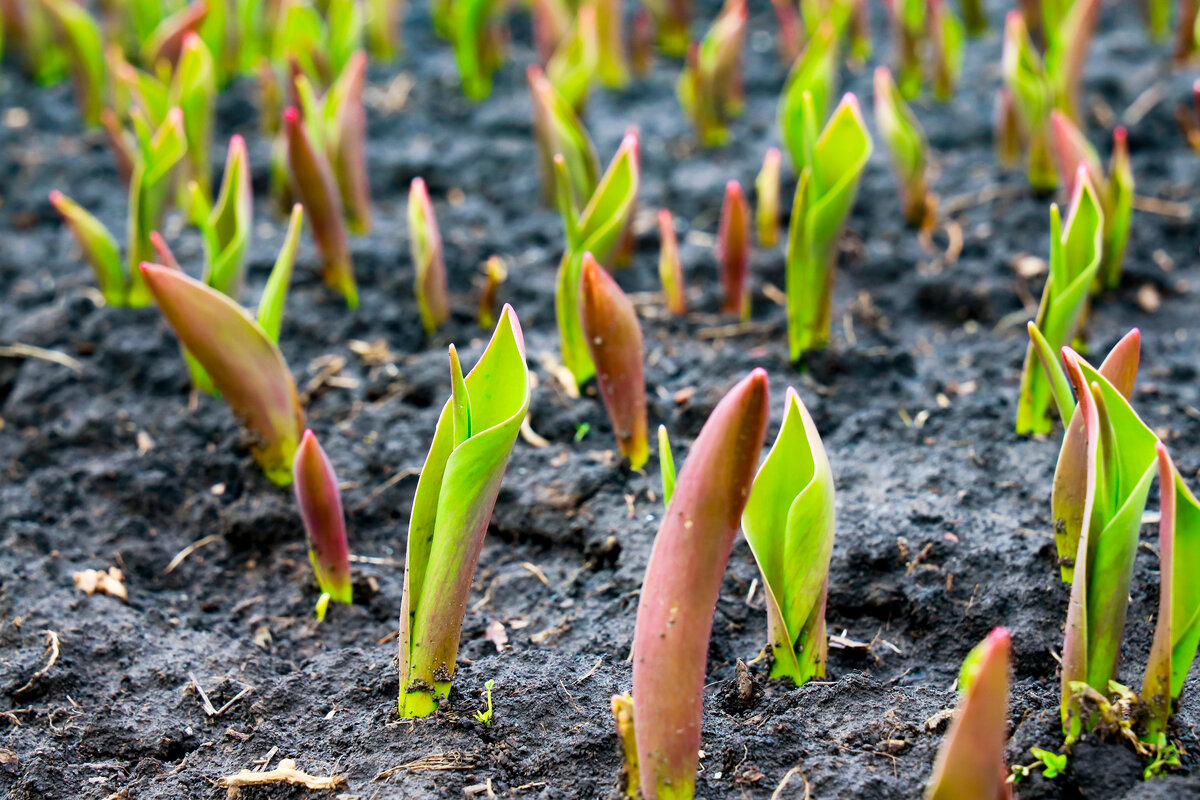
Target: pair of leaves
453	504
824	195
789	523
559	131
596	229
426	246
1075	253
710	87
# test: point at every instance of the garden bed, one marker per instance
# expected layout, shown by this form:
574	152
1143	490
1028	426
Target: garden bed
944	526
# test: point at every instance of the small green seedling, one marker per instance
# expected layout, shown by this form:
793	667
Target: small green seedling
1052	765
485	716
710	88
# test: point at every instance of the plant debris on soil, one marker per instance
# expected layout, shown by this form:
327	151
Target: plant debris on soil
214	663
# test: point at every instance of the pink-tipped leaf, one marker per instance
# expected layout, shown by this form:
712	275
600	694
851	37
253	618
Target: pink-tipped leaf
425	242
683	580
320	502
670	268
242	361
733	250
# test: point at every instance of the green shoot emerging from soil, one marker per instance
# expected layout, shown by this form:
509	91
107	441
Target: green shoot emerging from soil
679	594
245	365
710	88
596	229
149	189
970	762
425	243
485	716
670	268
453	504
1074	263
929	40
320	503
789	523
733	250
666	464
824	194
81	39
558	131
905	140
813	74
766	191
1115	190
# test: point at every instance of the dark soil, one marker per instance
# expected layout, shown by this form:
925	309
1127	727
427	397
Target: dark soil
943	512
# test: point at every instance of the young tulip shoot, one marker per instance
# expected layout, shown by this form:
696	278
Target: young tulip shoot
1032	99
733	250
710	88
1177	633
577	59
970	762
242	361
766	190
313	181
683	580
82	39
425	242
320	503
382	28
99	248
672	20
166	43
670	268
494	274
597	229
789	523
345	141
905	140
824	196
666	465
1074	262
193	89
1114	190
226	226
451	510
478	37
558	131
614	339
814	73
270	305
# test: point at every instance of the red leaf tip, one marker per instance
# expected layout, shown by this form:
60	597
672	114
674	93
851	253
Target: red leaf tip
308	439
664	217
999	635
56	197
291	115
733	190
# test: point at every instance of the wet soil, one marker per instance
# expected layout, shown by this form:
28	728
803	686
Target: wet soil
943	512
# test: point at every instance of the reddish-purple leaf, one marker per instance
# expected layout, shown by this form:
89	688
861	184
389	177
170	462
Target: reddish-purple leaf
320	503
683	579
733	250
614	339
313	182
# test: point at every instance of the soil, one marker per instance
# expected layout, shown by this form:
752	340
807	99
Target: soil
943	512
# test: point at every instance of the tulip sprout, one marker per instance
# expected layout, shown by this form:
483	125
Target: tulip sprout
494	274
970	762
558	131
789	523
81	38
710	88
270	305
383	20
245	365
453	504
766	191
679	593
929	38
614	339
313	181
149	186
226	225
425	242
596	229
576	60
670	268
814	73
1036	86
733	250
1114	190
666	464
193	89
1074	262
1107	463
320	503
905	140
824	194
477	32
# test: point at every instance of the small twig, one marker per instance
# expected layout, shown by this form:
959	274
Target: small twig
236	697
407	472
535	571
1164	208
993	191
286	772
734	329
20	350
209	709
52	646
532	437
436	762
187	551
571	699
591	671
1142	104
778	793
